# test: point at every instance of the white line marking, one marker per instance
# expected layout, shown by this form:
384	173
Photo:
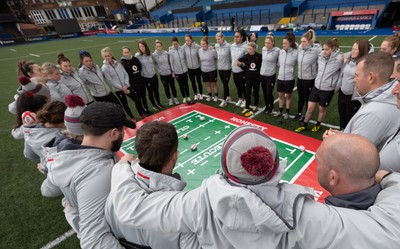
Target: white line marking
207	138
214	144
59	239
372	38
203	163
36	55
219	153
183	151
305	166
297	158
13	50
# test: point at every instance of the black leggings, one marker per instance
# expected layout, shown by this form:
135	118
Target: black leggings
183	84
152	88
108	98
225	76
347	108
193	75
168	82
267	84
240	82
134	95
252	86
304	88
122	97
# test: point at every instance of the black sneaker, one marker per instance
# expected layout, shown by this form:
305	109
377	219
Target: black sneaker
298	116
268	110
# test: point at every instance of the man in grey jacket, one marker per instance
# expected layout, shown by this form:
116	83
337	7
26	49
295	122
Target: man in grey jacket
247	207
83	172
378	117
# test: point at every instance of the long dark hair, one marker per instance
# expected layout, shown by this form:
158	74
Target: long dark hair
27	101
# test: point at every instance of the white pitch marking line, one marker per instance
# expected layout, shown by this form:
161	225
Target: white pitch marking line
291	151
59	240
13	50
372	38
207	138
36	55
297	158
203	163
183	151
191	172
219	153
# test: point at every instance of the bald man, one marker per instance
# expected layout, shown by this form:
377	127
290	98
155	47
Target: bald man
378	117
348	172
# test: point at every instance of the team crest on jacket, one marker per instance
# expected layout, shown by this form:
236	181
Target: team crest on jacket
134	68
252	65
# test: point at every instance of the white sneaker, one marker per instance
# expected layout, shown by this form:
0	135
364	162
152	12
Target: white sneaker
208	98
223	103
170	102
228	99
243	105
239	103
285	116
195	97
176	101
215	98
188	99
200	96
184	100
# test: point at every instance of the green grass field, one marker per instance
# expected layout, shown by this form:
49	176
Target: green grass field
28	220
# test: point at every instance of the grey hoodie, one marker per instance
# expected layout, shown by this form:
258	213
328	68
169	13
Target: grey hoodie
84	176
58	91
75	85
346	78
147	63
328	71
177	58
269	61
287	63
191	55
208	59
237	52
116	75
378	117
35	138
151	182
307	62
224	55
162	62
94	79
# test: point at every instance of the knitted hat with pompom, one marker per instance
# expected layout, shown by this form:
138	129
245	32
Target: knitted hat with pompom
75	106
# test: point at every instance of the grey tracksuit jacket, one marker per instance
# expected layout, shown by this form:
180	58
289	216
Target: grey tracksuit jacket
237	52
287	63
307	62
345	82
269	62
328	71
178	62
161	59
147	62
58	91
75	84
94	79
116	75
224	56
191	55
208	59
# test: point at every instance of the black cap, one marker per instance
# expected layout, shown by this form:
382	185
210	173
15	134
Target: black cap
105	115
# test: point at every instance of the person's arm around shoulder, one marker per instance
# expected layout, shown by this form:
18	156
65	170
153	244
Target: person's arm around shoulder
164	211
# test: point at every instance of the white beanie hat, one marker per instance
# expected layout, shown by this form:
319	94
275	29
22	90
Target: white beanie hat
249	156
75	106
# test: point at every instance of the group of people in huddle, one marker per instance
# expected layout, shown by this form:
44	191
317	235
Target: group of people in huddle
72	123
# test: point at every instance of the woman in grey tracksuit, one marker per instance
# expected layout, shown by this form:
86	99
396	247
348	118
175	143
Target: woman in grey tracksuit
71	79
191	49
287	63
93	78
58	91
117	77
223	49
149	73
347	105
208	61
307	69
329	65
161	59
269	64
238	50
179	69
